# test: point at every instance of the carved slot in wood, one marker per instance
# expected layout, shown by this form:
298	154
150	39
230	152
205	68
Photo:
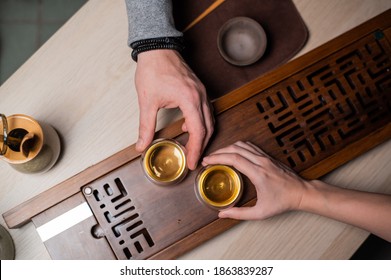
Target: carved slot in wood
119	219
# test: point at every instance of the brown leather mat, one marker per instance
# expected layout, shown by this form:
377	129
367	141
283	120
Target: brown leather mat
285	30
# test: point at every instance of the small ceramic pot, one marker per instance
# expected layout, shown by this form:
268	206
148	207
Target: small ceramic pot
7	248
31	146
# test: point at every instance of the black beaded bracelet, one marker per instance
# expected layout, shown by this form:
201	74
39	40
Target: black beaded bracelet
167	40
174	43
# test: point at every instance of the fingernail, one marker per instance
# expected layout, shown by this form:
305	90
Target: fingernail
192	167
222	215
139	144
205	161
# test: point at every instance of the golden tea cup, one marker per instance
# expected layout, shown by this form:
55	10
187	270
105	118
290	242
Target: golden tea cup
164	162
218	186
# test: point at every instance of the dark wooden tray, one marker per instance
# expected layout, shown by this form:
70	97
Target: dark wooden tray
314	114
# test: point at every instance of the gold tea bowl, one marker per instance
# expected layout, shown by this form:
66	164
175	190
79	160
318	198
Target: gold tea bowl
164	162
219	186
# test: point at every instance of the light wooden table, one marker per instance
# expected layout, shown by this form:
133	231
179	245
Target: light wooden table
82	82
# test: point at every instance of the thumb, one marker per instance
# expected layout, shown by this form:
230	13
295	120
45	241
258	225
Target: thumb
239	213
147	127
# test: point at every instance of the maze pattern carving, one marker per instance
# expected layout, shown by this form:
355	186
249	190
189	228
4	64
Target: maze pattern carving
119	219
335	101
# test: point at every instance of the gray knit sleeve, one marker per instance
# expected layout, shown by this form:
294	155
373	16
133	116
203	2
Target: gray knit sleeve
150	19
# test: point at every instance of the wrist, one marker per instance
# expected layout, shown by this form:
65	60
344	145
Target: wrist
311	196
153	56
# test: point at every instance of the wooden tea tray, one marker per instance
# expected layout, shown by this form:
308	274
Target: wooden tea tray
314	114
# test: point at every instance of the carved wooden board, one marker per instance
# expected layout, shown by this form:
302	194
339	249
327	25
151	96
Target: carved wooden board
313	114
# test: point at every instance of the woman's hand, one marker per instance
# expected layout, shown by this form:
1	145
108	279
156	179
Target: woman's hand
278	188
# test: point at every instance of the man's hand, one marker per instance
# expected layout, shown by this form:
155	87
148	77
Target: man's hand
164	80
